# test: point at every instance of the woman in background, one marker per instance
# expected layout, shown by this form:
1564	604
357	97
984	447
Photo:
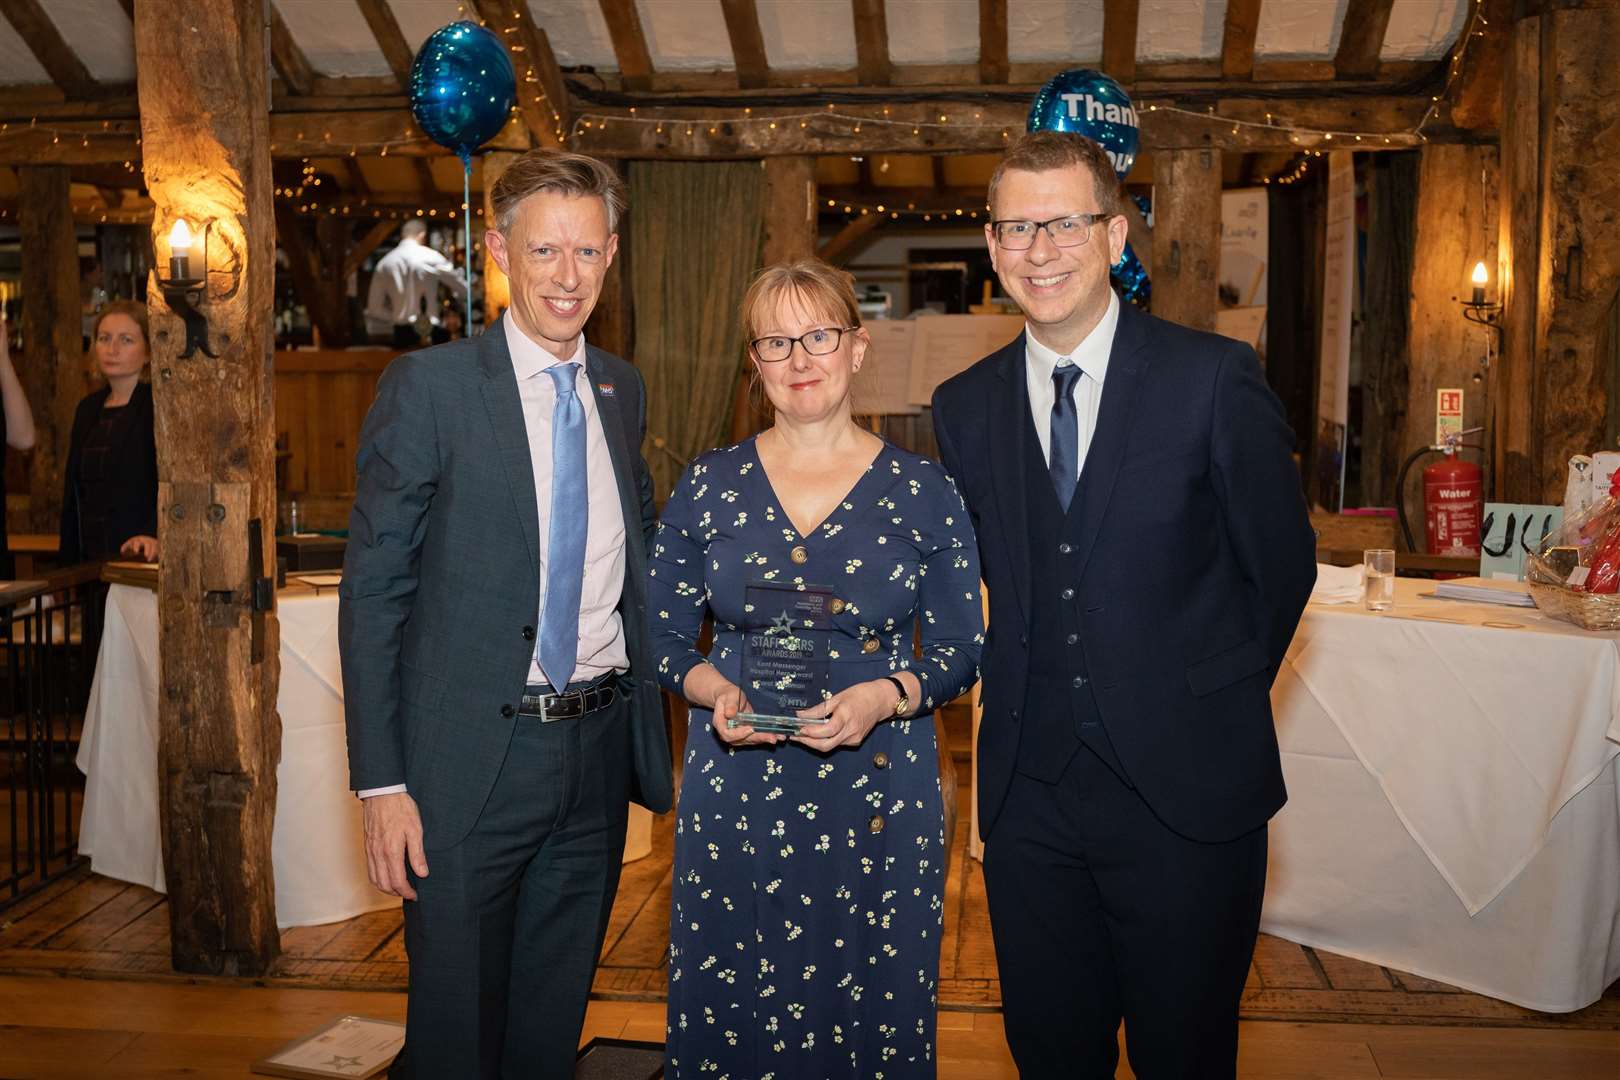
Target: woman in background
810	870
16	431
110	486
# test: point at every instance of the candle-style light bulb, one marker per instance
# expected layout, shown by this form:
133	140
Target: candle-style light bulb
180	251
1479	280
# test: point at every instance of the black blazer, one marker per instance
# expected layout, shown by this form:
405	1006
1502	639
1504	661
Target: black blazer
441	583
1197	558
132	506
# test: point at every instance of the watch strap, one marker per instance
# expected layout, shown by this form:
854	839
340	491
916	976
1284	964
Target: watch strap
903	704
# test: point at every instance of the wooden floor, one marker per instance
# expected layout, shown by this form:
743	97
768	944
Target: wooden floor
75	1029
94	926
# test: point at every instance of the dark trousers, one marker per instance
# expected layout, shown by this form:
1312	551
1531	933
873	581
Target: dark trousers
504	934
1101	913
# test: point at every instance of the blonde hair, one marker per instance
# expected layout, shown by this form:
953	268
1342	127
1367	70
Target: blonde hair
813	285
809	282
559	171
1043	151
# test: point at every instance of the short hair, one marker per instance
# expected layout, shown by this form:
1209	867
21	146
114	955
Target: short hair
560	171
818	287
1042	151
130	308
413	229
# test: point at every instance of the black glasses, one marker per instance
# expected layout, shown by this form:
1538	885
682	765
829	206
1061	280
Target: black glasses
818	342
1071	230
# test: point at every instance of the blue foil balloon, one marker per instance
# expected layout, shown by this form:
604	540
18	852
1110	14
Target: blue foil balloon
1089	103
1132	277
462	87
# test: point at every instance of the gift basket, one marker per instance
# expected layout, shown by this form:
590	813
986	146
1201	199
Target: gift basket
1574	574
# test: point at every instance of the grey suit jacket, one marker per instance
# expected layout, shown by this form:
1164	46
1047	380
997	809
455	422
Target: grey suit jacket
441	583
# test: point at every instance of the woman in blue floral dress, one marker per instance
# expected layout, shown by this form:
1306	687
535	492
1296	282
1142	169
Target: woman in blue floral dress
810	869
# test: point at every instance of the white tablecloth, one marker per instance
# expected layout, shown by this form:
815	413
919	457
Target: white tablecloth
316	853
1452	797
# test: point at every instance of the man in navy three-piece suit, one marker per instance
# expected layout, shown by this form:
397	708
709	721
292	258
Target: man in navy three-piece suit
1148	554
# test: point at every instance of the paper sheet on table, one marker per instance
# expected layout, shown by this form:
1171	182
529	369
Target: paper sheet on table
884	387
947	344
1336	584
320	581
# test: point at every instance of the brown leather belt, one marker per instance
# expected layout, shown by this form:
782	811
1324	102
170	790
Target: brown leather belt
542	704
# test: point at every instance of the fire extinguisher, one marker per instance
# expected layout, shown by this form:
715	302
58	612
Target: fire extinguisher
1453	499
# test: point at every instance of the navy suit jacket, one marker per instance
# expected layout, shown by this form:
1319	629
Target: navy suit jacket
1196	560
441	580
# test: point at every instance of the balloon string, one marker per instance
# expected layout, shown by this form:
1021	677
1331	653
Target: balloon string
466	223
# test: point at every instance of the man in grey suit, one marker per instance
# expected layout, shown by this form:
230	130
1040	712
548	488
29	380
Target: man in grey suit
501	702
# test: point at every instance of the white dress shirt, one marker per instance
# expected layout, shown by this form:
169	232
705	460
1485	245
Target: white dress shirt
402	279
601	630
1092	356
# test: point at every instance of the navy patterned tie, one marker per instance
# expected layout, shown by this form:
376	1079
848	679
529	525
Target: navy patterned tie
1065	456
570	510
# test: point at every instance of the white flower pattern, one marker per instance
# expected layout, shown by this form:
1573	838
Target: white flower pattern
849	929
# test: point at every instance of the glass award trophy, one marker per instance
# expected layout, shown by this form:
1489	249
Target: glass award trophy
785	662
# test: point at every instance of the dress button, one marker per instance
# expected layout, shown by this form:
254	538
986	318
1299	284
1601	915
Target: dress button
1067	594
836	606
799	555
1022	640
875	825
528	633
1064	549
508	712
871	646
1073	639
1079	681
880	760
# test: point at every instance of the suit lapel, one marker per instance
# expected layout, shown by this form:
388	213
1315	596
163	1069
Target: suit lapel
608	397
505	407
1009	413
1121	391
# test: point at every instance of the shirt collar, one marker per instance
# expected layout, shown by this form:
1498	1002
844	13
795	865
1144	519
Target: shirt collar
1091	354
529	358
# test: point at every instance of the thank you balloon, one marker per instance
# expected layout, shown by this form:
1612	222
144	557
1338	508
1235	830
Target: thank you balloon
462	87
1089	103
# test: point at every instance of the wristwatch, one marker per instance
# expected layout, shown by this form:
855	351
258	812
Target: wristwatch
903	705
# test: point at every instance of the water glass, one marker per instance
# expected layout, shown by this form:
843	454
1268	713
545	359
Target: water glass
1378	579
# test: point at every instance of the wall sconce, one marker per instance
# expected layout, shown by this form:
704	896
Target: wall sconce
1477	311
182	291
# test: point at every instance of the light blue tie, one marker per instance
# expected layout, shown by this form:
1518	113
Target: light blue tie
570	514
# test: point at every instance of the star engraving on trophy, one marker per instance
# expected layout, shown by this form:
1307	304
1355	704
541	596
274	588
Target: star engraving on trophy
781	624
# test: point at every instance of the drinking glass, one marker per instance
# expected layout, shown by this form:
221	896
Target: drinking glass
1378	581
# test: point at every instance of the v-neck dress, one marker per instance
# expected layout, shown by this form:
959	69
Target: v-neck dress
809	887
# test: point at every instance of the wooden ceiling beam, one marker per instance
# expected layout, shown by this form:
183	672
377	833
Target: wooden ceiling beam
292	135
1119	39
425	179
993	63
289	60
1362	38
45	41
1237	40
362	248
747	43
390	39
943	200
850	240
542	96
356	178
1386	123
872	62
629	43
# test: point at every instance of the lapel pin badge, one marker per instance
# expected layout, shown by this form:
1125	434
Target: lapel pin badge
606	388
